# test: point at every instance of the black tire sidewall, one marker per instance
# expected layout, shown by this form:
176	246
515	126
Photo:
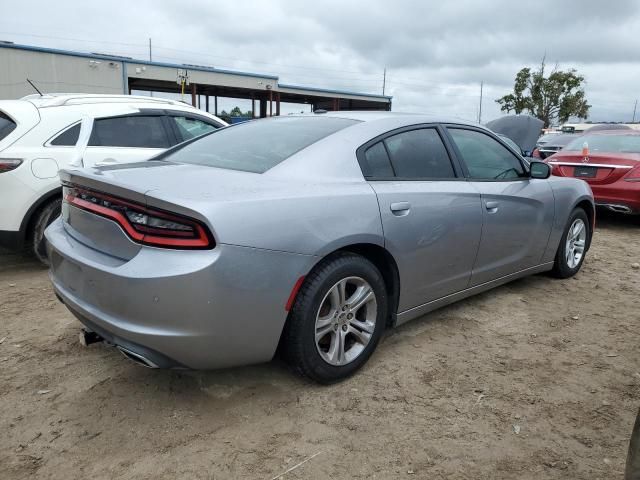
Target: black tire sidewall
304	313
45	217
561	269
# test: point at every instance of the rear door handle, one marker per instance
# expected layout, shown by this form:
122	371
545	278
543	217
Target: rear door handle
400	209
492	207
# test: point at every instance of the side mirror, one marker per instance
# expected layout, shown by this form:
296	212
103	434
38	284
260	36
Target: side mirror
539	170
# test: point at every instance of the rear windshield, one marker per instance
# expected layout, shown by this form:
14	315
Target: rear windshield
607	143
259	145
6	125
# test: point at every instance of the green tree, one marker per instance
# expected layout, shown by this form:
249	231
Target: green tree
557	96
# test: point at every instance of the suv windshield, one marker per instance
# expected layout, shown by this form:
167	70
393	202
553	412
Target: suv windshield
6	125
607	143
259	145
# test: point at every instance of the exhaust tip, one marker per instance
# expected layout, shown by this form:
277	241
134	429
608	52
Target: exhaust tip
137	358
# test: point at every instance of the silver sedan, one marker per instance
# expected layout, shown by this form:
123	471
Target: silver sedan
308	235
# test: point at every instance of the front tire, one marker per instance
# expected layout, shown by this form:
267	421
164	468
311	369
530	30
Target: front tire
337	319
573	245
43	219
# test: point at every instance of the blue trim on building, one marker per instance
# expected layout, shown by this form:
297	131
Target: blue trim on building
124	61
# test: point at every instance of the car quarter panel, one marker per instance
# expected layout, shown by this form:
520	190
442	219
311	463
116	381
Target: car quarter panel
203	309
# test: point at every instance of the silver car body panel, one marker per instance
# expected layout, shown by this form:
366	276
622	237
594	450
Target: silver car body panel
226	306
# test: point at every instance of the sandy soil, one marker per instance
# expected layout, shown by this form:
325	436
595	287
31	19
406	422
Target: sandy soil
537	379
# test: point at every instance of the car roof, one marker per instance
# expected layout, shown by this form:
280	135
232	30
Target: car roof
398	117
618	132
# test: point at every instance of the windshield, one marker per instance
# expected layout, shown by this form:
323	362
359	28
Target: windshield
259	145
607	143
6	125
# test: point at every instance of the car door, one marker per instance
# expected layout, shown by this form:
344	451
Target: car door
517	210
127	138
431	216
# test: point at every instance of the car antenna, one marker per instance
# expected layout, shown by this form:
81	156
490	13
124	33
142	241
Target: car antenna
34	87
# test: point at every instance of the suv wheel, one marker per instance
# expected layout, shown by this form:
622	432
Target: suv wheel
43	219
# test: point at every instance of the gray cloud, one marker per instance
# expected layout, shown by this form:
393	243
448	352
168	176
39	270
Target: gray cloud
436	53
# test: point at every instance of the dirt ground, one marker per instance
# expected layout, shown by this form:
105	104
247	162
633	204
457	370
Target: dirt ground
537	379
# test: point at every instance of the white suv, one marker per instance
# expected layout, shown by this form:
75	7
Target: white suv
41	134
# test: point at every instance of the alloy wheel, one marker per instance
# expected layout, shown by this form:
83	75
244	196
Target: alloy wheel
345	321
576	242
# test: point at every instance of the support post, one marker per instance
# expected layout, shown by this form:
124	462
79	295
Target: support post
215	105
263	107
206	103
271	103
277	104
253	106
194	91
336	105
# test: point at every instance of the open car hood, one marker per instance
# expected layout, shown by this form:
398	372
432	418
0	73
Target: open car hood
522	129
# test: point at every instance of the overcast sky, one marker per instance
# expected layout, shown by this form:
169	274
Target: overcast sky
436	53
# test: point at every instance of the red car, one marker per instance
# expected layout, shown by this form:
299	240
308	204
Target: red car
609	161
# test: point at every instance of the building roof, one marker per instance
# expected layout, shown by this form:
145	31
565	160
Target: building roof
298	89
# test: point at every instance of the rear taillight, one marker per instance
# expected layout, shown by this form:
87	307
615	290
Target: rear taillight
8	164
633	175
143	225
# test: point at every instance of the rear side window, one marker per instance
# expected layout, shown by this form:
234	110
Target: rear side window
376	162
258	145
486	158
134	132
189	128
68	138
6	125
419	154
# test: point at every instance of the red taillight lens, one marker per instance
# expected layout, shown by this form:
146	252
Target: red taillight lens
633	175
143	225
8	164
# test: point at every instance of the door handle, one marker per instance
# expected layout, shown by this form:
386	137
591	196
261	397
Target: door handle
492	207
400	209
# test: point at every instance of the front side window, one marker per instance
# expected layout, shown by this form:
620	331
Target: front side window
68	138
259	145
192	127
135	132
419	154
486	158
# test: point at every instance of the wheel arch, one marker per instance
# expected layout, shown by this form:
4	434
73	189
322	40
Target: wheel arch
383	261
27	223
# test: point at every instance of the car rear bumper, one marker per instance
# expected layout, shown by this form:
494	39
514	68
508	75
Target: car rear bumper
196	309
621	196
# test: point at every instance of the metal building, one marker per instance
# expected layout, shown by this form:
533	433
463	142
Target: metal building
60	71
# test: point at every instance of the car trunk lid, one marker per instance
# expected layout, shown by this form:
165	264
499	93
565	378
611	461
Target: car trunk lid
596	169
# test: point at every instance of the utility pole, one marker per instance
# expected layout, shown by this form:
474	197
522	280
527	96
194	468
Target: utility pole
634	112
384	80
480	109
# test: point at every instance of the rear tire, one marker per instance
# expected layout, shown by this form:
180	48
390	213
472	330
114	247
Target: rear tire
573	245
337	319
44	218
